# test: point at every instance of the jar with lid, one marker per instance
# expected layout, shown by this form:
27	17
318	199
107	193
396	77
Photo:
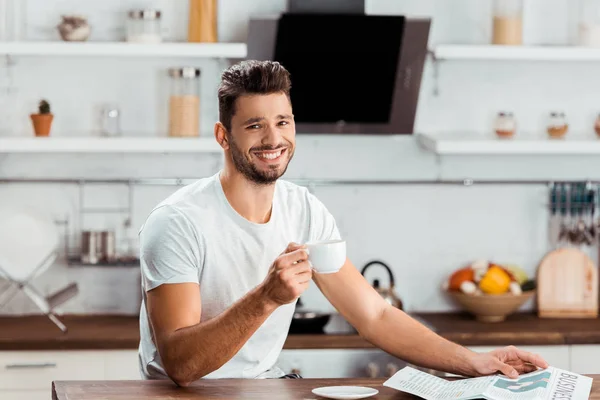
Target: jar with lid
184	102
589	23
505	124
144	26
508	22
557	125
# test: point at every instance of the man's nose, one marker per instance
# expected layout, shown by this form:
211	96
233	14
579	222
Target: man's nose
272	136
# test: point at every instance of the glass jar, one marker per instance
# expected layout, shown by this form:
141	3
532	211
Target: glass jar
143	26
505	124
557	125
508	22
184	102
110	121
589	23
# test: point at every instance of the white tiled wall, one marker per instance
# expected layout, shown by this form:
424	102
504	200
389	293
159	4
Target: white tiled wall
421	231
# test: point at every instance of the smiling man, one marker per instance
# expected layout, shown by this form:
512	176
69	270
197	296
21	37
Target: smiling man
223	265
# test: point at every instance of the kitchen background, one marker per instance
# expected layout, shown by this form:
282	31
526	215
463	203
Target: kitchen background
423	230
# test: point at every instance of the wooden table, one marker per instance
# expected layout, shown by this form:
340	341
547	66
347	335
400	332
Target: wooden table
292	389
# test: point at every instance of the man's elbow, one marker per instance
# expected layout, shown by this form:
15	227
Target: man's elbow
181	376
185	372
370	325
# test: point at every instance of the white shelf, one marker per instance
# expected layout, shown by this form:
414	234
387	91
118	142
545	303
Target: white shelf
524	53
124	49
466	144
108	145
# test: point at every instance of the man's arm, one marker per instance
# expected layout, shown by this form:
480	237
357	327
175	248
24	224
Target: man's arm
191	349
397	333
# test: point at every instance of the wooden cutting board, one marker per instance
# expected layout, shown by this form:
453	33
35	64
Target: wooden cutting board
567	285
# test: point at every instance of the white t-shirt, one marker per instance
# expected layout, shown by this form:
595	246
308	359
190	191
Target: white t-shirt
196	236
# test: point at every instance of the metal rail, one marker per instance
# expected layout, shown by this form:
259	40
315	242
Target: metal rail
315	182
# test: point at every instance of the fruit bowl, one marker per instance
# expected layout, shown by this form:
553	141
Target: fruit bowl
491	307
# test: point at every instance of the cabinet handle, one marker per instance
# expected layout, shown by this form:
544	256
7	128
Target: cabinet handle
30	366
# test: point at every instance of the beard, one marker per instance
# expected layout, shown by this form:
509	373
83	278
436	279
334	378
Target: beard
251	171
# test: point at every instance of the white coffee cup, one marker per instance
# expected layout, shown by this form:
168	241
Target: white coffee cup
327	257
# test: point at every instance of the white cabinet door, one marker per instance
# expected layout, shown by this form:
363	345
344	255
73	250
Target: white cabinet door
584	358
26	394
35	370
557	355
122	365
339	363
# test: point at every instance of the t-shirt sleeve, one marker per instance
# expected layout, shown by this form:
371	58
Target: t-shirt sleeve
169	249
322	223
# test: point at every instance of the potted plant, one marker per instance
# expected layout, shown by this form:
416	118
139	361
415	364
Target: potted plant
42	121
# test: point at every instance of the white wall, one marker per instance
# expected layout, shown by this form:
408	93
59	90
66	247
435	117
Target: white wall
422	231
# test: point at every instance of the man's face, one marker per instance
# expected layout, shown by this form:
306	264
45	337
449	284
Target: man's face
262	137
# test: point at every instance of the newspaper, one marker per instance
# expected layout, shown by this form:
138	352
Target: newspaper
544	384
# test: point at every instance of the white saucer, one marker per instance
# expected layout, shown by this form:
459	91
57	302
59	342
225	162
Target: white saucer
345	392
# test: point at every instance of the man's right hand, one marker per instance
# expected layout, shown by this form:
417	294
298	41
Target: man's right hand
289	275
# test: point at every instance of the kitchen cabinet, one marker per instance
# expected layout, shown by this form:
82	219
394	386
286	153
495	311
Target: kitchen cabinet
558	356
29	374
35	370
26	394
339	363
584	358
121	365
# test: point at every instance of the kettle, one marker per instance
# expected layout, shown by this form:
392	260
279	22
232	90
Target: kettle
387	293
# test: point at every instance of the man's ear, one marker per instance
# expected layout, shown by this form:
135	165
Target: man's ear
221	135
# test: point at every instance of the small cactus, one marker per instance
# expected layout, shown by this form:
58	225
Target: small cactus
44	107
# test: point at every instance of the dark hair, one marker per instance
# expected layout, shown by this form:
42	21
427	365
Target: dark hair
250	77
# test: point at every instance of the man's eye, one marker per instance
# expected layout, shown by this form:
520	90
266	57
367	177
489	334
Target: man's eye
255	126
283	123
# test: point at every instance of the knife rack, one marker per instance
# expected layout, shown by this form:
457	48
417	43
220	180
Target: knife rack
567	277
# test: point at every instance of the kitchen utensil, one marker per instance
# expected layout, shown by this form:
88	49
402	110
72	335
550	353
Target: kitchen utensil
491	307
345	392
554	222
387	293
28	247
306	321
327	257
107	246
567	285
27	238
576	231
91	247
74	28
98	246
591	226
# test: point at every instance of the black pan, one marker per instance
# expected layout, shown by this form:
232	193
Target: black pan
307	322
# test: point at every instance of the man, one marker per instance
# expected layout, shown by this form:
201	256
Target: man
223	262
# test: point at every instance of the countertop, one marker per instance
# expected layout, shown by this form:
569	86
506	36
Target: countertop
113	332
226	388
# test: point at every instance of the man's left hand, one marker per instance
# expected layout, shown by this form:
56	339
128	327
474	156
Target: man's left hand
510	361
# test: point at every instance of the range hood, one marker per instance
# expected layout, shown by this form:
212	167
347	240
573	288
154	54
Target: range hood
351	73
